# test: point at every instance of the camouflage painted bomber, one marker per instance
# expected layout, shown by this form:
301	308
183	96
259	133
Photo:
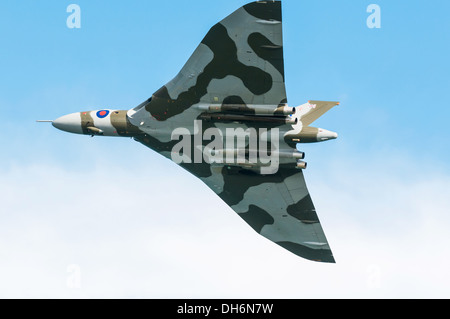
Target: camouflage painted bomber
234	79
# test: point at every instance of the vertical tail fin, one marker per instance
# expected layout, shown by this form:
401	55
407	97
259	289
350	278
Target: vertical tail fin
311	111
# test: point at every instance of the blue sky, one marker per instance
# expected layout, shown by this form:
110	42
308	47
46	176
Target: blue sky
381	189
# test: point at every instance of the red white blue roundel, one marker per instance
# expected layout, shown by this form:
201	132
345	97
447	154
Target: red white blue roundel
102	114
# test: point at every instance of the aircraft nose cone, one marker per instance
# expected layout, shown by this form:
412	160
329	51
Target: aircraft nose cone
69	123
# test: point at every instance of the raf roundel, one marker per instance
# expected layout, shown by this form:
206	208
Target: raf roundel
102	114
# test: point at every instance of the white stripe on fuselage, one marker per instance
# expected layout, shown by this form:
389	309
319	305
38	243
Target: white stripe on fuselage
104	124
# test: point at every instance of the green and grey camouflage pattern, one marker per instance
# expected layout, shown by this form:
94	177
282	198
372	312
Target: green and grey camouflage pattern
225	119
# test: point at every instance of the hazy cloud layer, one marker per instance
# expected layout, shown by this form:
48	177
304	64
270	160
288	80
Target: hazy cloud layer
128	232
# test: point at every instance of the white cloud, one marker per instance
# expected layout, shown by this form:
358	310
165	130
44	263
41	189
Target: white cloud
146	232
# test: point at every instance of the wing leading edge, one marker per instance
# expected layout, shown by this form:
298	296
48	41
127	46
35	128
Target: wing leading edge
241	56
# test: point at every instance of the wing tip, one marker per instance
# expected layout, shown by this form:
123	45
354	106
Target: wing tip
265	10
317	255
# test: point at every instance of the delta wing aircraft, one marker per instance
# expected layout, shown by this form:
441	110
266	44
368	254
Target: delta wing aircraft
225	119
